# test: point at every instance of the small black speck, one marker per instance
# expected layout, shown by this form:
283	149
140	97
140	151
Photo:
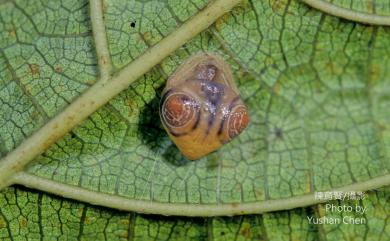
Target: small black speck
132	24
279	133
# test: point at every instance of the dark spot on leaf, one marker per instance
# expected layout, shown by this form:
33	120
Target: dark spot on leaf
58	69
222	233
132	24
278	133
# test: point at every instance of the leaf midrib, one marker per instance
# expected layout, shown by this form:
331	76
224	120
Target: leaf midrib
185	209
349	14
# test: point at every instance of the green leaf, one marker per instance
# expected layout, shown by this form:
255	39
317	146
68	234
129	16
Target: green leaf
27	214
316	87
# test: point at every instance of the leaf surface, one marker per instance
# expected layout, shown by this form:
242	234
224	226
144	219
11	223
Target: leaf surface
29	215
316	87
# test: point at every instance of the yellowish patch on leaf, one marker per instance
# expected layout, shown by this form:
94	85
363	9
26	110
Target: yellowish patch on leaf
34	70
3	224
276	88
374	74
147	36
12	33
333	68
246	230
370	6
278	5
125	222
23	222
221	21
